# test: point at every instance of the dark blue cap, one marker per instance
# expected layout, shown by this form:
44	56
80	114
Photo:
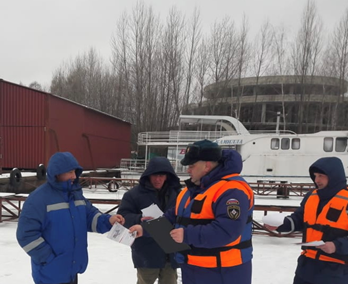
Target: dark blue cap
203	150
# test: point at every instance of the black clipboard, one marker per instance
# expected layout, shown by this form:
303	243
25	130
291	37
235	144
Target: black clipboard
159	229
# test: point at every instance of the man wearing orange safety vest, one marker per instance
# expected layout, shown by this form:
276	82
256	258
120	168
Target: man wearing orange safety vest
213	214
322	216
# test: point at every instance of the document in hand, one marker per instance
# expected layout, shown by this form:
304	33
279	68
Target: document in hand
121	234
159	229
152	211
274	219
312	244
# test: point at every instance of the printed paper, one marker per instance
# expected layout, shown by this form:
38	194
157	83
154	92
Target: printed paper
121	234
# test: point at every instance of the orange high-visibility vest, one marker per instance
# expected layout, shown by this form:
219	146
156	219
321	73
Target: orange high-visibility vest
331	223
232	254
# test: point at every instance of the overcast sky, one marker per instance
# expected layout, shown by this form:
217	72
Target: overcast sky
37	36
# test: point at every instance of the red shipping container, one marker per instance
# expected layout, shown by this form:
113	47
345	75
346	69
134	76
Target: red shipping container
34	125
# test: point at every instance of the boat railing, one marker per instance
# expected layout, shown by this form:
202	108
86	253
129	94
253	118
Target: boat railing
139	165
180	136
272	132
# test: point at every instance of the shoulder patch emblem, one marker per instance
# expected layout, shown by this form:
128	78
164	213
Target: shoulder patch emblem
232	201
233	209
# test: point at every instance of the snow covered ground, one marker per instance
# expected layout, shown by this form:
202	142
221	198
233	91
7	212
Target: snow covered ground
110	262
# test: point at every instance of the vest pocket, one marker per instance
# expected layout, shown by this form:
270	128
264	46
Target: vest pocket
197	206
333	214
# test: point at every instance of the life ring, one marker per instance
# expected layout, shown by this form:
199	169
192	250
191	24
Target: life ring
15	177
41	172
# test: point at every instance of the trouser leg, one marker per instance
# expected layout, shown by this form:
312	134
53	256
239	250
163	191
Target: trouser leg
147	275
167	275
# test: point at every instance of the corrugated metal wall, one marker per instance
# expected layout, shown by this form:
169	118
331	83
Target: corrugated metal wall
95	139
22	123
34	125
109	141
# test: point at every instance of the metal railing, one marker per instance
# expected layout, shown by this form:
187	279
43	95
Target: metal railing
139	165
134	164
180	136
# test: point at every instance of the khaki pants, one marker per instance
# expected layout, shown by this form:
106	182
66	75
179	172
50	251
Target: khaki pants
166	275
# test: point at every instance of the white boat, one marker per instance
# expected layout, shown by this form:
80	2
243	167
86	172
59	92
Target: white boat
173	143
285	157
272	156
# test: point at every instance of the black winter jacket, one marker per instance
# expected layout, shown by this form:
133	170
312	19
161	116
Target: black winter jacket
146	253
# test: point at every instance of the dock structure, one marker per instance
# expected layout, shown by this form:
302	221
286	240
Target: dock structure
270	188
11	204
267	198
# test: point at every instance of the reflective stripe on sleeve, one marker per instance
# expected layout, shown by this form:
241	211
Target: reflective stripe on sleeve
58	206
33	244
80	202
95	222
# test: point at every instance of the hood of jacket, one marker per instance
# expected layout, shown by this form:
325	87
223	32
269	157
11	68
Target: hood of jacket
334	169
230	163
59	163
160	165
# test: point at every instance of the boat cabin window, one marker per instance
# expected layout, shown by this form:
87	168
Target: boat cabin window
285	144
341	144
295	143
328	144
275	143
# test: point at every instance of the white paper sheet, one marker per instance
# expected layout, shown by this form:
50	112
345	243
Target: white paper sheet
274	219
312	244
120	234
152	211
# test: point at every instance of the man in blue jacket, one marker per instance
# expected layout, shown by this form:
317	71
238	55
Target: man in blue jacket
52	228
158	185
322	216
213	214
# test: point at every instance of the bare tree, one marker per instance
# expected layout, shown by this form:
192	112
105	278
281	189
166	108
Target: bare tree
224	59
123	94
339	49
158	68
135	60
35	85
261	61
150	59
280	64
172	66
305	55
193	43
81	79
243	57
202	68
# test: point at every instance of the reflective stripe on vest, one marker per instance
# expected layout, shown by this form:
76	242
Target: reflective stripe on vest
199	212
331	223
